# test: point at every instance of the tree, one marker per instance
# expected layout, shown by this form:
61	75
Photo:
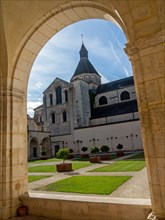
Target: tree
63	153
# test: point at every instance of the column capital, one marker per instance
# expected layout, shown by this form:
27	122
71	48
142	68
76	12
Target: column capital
131	50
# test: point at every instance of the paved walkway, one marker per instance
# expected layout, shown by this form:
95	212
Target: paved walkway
136	187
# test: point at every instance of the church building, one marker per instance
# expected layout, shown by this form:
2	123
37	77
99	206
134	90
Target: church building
86	113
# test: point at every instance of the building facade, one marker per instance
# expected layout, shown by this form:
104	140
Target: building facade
86	113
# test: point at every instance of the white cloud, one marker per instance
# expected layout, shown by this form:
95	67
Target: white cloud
114	53
39	85
103	79
31	106
126	71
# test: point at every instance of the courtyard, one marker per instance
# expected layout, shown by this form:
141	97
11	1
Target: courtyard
124	177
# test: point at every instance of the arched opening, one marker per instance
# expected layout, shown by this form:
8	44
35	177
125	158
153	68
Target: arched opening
31	47
64	116
58	95
34	148
53	119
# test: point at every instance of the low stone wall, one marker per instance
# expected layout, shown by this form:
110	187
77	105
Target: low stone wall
81	207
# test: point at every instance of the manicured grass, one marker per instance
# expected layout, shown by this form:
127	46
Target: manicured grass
34	178
139	156
52	168
103	185
45	161
122	166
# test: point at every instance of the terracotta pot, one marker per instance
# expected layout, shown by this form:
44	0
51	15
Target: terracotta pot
22	210
96	159
64	167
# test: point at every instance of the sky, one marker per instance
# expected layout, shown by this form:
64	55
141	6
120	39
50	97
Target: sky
59	57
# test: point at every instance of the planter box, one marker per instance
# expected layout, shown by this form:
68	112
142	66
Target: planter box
43	157
105	157
96	159
120	153
84	155
64	167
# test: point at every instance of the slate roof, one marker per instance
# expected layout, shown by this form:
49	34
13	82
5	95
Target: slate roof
116	109
84	65
107	87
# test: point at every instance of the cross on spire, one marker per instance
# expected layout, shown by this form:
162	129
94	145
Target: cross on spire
83	50
82	38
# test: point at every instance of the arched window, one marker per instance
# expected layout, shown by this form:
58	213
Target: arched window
58	95
64	115
124	96
66	95
51	99
103	100
53	118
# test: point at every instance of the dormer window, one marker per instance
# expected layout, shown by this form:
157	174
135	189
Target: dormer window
124	96
103	100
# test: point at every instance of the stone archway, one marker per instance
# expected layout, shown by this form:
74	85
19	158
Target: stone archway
46	146
34	149
143	25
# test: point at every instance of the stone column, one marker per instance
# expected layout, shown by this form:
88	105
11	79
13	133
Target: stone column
13	151
148	60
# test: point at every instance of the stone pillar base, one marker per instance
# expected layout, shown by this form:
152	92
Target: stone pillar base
151	216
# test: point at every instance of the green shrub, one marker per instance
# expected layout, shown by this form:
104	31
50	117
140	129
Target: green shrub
104	148
84	149
119	146
95	150
63	154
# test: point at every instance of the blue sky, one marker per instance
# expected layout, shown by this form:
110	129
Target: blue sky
60	56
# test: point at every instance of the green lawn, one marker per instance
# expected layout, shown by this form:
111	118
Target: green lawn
34	178
103	185
52	168
137	157
45	161
122	166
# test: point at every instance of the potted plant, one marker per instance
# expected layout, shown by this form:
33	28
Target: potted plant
84	149
104	149
22	210
120	152
63	154
95	158
43	155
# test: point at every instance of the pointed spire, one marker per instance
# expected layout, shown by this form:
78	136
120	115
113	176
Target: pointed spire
83	51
